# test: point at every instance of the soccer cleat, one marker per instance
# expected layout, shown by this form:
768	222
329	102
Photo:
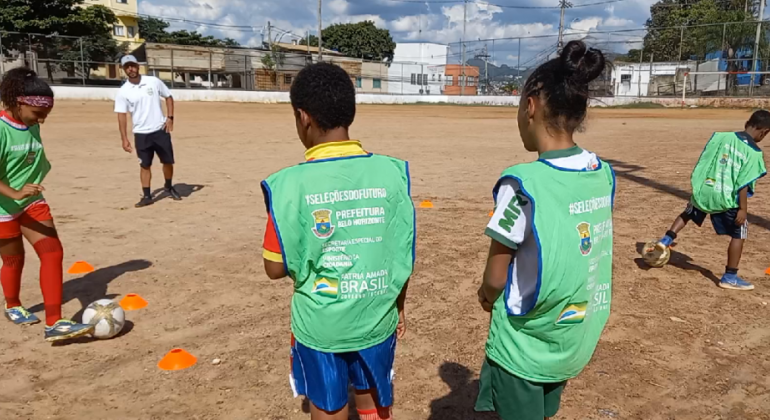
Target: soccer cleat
21	316
144	202
174	194
65	329
733	282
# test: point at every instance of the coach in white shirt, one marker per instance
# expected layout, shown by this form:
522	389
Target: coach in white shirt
140	96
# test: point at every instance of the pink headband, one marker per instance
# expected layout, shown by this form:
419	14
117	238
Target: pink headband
41	101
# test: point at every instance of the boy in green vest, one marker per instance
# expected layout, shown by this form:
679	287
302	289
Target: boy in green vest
341	226
548	277
722	182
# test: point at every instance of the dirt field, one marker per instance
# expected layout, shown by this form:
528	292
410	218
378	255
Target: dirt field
199	265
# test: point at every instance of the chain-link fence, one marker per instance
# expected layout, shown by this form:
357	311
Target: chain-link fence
718	58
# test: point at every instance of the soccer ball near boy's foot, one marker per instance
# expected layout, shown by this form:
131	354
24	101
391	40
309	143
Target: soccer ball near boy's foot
106	316
655	254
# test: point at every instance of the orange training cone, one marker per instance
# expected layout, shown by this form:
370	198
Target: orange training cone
427	204
81	267
132	302
767	271
491	213
177	359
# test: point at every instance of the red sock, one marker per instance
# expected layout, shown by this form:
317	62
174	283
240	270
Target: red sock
51	277
379	413
10	277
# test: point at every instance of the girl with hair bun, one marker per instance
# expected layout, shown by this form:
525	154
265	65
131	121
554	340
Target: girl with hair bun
548	276
27	102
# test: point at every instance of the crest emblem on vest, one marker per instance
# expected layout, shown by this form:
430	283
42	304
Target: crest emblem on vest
584	229
723	161
323	227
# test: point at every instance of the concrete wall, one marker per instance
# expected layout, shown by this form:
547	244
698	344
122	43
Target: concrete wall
202	95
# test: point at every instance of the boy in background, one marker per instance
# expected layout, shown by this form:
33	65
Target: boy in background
722	182
341	225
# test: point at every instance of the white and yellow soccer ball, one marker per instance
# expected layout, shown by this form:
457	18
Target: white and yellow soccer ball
655	256
107	316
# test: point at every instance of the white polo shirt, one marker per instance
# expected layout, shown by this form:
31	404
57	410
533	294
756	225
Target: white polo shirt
143	102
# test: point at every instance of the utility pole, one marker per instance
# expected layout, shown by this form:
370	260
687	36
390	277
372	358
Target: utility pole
465	20
485	56
755	67
320	36
269	36
563	4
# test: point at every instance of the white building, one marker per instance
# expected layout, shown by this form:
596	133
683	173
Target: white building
418	68
635	79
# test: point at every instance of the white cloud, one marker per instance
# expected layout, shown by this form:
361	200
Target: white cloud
339	7
407	22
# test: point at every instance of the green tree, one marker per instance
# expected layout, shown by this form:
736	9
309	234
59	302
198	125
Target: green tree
665	37
361	40
153	29
156	30
313	41
61	17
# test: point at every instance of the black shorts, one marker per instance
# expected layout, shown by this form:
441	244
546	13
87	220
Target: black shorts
724	223
147	145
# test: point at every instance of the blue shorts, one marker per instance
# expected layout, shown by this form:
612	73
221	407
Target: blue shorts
324	377
724	223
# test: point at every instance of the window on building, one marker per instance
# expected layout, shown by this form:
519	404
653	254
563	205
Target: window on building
439	78
414	79
119	30
625	78
419	79
123	1
471	81
425	79
461	80
377	84
131	31
450	80
358	82
287	79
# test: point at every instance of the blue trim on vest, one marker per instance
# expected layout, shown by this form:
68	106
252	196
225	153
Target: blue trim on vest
337	158
524	311
750	192
414	217
614	183
269	192
598	168
746	138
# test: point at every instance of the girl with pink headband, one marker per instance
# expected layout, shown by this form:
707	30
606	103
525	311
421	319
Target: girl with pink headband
27	101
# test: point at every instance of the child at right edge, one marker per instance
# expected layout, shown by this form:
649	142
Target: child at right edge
722	182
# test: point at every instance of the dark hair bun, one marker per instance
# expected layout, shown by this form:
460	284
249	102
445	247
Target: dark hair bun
581	64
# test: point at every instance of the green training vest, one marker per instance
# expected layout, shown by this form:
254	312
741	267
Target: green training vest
346	228
572	226
727	165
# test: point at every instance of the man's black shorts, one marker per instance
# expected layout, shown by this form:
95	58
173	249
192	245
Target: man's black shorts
147	145
724	223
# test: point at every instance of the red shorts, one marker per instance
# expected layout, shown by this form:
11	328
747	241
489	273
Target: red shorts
35	212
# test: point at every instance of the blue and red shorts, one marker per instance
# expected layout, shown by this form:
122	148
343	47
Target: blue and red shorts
324	378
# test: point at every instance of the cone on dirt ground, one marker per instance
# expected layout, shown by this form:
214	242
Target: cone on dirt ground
177	359
426	204
81	267
767	271
491	213
132	302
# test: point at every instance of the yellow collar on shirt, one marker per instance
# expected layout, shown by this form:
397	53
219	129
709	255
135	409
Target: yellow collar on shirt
335	149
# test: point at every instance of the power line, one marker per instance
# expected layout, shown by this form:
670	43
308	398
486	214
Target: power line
504	6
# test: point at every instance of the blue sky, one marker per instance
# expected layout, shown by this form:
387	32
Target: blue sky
410	22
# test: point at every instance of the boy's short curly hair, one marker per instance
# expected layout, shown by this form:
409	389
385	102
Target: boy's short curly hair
759	119
326	93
